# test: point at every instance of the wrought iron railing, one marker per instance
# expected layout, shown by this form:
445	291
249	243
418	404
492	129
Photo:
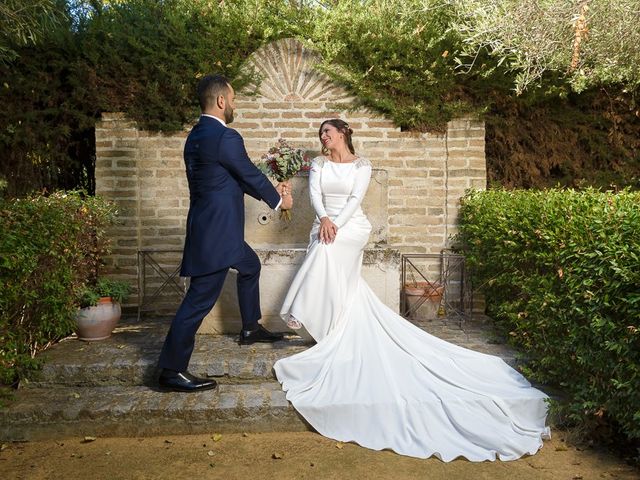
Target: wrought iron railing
435	284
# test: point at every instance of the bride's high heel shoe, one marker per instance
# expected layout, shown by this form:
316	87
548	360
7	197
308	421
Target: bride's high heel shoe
293	323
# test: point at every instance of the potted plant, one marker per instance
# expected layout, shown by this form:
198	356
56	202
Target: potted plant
100	308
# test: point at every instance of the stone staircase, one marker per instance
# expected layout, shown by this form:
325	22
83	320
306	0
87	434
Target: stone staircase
108	388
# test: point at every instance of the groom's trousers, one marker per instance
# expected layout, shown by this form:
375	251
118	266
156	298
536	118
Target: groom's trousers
201	296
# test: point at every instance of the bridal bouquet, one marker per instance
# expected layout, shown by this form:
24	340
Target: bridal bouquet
282	163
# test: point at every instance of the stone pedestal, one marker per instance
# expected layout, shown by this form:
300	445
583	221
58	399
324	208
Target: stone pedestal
381	270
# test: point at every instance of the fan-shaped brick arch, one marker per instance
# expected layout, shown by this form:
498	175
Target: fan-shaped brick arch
287	72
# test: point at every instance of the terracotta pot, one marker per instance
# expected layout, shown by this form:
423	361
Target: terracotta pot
432	291
413	291
97	322
422	299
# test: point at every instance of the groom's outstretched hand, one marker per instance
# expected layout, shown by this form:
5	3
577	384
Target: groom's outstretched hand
284	189
287	201
328	230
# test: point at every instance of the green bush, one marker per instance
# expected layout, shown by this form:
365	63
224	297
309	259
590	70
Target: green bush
50	247
561	273
397	58
169	45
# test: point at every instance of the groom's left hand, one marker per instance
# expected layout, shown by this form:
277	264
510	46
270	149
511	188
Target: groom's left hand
287	201
284	189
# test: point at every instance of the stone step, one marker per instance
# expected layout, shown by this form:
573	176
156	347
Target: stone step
130	355
108	388
46	413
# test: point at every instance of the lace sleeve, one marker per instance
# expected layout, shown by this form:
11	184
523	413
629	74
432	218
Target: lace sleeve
363	162
315	191
360	185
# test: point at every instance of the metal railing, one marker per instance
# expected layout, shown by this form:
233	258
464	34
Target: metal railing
439	278
170	277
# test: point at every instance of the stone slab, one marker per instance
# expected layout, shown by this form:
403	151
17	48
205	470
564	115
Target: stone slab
45	413
108	388
130	355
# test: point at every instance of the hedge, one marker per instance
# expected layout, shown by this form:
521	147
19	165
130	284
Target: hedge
49	247
560	270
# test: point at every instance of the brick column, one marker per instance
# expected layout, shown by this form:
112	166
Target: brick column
466	165
117	153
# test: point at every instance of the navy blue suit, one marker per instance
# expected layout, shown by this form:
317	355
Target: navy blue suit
219	172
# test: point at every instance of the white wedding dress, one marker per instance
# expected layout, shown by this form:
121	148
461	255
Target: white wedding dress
376	379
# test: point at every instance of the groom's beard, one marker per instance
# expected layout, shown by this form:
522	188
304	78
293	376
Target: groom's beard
228	114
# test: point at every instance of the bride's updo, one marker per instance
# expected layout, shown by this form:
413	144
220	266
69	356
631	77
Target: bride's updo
343	128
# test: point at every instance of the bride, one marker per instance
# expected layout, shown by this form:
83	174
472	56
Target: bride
373	377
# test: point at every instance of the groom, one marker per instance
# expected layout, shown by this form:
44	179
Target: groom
219	173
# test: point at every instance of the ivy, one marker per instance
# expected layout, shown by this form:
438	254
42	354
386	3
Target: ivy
141	57
397	58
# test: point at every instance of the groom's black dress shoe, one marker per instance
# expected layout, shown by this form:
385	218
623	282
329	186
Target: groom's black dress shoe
184	382
260	334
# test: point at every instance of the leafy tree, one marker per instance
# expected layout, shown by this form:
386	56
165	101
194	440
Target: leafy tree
24	22
142	57
587	42
396	57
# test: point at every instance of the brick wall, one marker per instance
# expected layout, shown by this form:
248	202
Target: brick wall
426	173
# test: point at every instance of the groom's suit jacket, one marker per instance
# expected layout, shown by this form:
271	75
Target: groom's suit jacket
219	172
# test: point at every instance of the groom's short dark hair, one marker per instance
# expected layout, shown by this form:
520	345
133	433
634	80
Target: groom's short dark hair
210	88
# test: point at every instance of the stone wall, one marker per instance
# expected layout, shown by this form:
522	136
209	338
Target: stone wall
420	177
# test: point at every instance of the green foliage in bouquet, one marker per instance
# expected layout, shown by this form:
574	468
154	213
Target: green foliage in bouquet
282	163
560	271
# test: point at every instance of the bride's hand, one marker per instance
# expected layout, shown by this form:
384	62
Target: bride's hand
328	230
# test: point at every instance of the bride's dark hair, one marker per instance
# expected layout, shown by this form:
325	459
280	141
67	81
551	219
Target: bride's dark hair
343	127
